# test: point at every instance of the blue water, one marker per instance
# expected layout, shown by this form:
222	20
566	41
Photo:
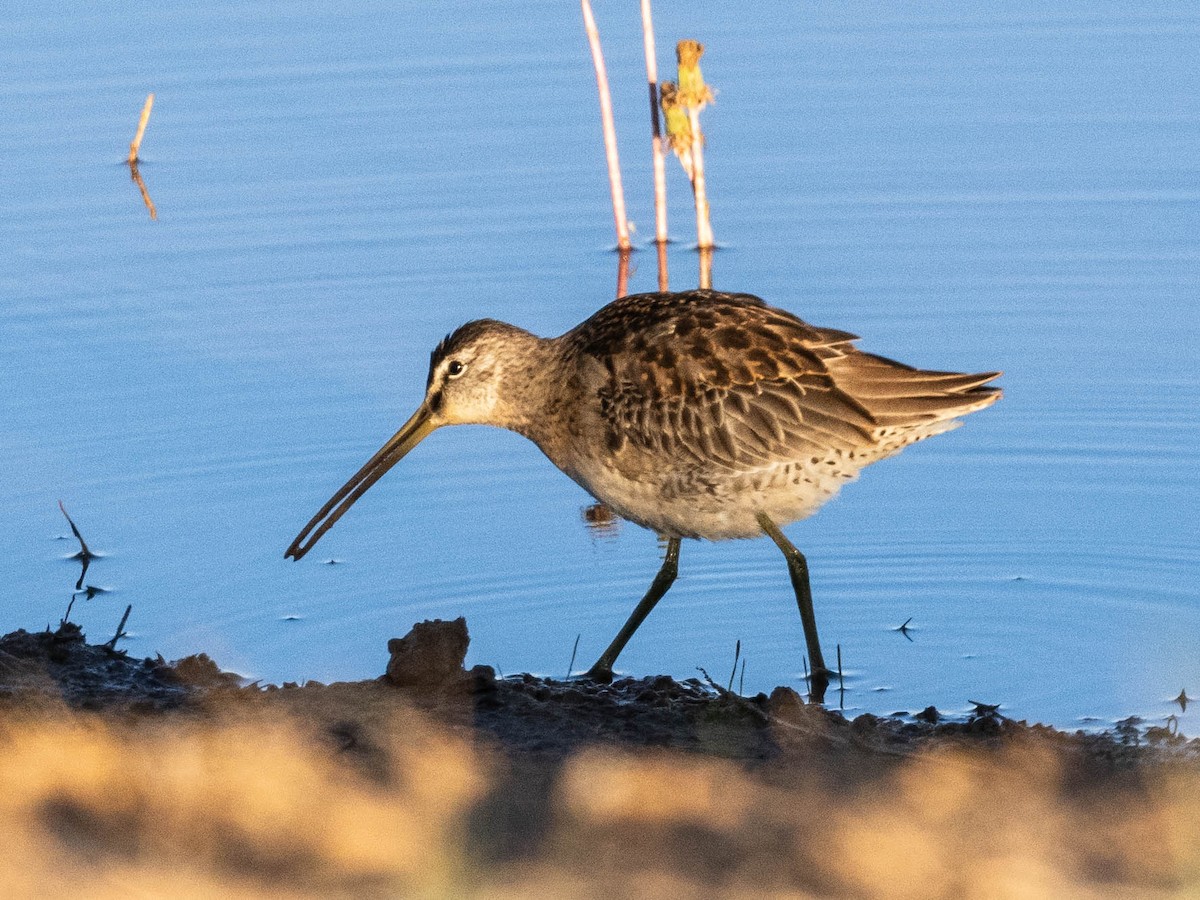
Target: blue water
339	185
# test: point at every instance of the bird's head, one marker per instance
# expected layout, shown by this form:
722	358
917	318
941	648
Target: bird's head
469	371
468	374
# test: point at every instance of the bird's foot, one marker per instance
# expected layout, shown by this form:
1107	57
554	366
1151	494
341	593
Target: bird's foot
601	674
818	683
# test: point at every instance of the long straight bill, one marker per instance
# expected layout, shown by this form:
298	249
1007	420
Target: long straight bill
412	433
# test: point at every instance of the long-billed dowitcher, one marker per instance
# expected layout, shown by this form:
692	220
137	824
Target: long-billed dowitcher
697	414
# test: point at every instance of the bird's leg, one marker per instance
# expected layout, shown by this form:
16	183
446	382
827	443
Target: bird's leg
798	569
602	670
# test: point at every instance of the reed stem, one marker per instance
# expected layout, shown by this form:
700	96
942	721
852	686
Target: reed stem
660	158
704	232
610	131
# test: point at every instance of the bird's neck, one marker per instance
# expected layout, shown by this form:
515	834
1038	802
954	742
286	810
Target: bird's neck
530	394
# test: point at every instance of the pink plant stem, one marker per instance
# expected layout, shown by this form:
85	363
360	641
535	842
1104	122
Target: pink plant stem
610	131
660	163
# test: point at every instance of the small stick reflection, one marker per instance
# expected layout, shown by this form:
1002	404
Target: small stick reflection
841	680
137	179
706	260
623	272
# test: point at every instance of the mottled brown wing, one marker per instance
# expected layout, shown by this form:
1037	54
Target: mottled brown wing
721	380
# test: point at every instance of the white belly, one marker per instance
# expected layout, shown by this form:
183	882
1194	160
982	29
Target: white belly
717	506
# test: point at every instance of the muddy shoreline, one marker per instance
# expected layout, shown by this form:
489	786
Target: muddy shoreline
523	712
524	786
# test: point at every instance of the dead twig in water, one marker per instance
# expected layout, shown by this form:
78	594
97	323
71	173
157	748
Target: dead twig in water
574	650
737	654
112	644
84	552
85	556
610	131
135	145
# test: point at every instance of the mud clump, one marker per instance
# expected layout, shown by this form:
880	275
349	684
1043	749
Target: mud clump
430	655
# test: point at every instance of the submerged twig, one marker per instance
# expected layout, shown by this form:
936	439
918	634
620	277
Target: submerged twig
610	131
112	644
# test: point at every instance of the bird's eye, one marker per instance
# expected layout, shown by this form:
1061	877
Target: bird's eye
455	369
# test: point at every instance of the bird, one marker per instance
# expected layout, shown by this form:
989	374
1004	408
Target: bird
695	414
